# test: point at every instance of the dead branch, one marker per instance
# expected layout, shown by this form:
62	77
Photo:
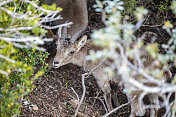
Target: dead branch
83	95
117	108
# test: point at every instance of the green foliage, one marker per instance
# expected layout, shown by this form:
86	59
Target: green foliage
18	68
119	34
152	49
129	6
32	57
163	5
173	6
15	85
18	84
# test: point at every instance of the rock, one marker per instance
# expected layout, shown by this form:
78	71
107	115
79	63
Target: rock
35	107
73	102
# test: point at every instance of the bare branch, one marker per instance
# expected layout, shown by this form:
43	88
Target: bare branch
5	73
6	58
5	2
75	94
13	35
83	95
117	108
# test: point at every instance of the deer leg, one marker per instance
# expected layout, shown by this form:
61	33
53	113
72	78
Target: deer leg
114	91
107	97
115	99
105	87
136	108
154	101
103	81
116	86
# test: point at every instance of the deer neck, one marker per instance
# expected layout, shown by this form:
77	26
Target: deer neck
80	59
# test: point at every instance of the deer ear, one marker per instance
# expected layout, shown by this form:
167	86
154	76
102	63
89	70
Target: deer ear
81	42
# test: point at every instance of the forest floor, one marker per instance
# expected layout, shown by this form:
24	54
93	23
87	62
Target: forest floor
54	94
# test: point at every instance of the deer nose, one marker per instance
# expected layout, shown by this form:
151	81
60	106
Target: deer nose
55	62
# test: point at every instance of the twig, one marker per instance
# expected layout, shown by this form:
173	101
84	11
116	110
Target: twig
101	62
117	108
152	25
57	26
5	2
5	73
75	94
83	95
101	102
6	58
12	34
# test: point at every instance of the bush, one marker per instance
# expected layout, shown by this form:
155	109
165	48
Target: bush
21	27
119	34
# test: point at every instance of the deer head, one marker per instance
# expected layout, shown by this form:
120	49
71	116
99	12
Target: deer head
67	49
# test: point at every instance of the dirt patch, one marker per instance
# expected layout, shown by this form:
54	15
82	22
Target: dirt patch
54	93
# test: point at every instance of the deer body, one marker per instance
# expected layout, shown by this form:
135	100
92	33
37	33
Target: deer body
74	11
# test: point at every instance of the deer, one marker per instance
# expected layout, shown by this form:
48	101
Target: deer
72	49
69	49
75	53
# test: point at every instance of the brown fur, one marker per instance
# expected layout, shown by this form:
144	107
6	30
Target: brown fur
74	11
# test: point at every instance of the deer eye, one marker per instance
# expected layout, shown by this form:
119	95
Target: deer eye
72	52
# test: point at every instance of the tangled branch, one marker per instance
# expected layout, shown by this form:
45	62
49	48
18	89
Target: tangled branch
13	35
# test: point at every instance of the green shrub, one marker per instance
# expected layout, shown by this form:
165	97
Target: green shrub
122	48
19	67
162	5
129	6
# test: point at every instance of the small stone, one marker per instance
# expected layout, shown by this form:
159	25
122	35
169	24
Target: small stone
73	102
76	102
35	107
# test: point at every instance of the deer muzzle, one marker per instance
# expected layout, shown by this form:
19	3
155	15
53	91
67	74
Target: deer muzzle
56	64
